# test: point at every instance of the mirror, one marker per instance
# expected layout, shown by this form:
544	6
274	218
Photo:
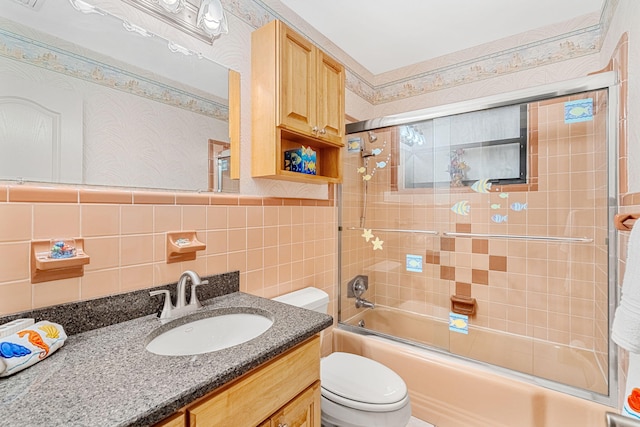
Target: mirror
88	98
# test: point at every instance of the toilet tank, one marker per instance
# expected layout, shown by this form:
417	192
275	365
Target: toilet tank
310	298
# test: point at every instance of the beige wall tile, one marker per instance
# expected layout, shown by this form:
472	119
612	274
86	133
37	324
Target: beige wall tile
53	221
14	261
136	249
136	219
237	217
100	220
237	239
136	277
100	283
254	238
104	252
16	222
167	218
15	297
217	217
194	218
217	264
46	294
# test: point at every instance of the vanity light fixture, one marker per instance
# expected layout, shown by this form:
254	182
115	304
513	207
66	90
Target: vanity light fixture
173	6
84	7
203	19
211	18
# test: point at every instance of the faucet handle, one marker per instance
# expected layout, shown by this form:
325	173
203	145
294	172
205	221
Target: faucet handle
194	297
167	307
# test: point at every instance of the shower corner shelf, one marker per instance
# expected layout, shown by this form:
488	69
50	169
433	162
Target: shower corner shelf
182	246
461	304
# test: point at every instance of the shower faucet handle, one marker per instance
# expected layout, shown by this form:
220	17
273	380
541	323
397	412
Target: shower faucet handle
357	286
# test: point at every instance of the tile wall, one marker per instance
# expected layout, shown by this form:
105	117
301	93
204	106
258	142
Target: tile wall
278	245
555	292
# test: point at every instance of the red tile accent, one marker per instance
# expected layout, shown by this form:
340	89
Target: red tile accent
497	263
481	277
447	273
448	244
432	257
480	246
463	289
463	228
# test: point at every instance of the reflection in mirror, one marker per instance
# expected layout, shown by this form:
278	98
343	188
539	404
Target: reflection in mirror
121	110
220	166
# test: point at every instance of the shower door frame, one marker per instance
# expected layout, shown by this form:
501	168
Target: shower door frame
606	80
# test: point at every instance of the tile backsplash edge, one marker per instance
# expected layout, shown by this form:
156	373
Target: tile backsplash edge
82	316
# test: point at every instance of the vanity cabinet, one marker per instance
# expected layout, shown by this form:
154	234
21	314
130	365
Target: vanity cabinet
283	391
297	100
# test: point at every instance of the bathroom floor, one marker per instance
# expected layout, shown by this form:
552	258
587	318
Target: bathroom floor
414	422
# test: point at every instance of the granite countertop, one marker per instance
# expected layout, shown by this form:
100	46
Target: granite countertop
105	377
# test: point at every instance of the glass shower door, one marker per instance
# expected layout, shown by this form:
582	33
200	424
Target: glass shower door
485	234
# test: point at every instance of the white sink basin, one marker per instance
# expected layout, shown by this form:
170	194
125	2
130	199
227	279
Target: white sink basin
209	334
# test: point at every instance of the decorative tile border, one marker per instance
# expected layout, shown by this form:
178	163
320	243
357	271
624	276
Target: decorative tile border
567	46
65	194
545	52
52	58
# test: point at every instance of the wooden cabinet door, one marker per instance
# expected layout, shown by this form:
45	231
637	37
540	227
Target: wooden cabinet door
303	411
297	77
176	420
330	105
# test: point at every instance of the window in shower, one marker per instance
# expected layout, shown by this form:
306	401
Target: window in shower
461	149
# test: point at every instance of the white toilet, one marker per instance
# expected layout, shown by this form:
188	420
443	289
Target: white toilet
356	391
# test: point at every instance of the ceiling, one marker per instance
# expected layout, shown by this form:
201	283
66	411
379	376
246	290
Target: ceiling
382	35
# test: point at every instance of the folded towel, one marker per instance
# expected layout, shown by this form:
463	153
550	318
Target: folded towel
29	346
631	403
626	322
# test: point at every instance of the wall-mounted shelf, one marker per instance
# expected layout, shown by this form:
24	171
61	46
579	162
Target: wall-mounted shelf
463	305
626	221
45	269
182	246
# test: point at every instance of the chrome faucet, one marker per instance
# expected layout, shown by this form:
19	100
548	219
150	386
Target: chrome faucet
363	303
181	307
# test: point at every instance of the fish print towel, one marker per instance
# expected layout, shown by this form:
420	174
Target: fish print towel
29	346
626	322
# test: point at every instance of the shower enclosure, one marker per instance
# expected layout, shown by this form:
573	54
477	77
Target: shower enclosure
484	232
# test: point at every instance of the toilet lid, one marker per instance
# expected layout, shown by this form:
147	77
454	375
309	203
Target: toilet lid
361	383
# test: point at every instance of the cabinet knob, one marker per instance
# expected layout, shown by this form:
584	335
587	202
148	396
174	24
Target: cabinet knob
283	425
314	129
322	131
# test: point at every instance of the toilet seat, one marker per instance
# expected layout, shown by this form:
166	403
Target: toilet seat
361	383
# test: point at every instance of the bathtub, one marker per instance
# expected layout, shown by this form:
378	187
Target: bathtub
448	392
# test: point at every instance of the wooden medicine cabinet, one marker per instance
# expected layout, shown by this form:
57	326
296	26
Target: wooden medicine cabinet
297	100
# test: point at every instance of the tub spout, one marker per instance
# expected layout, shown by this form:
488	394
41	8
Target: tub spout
363	303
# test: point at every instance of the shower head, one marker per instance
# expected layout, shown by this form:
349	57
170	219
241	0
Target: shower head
372	136
364	154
